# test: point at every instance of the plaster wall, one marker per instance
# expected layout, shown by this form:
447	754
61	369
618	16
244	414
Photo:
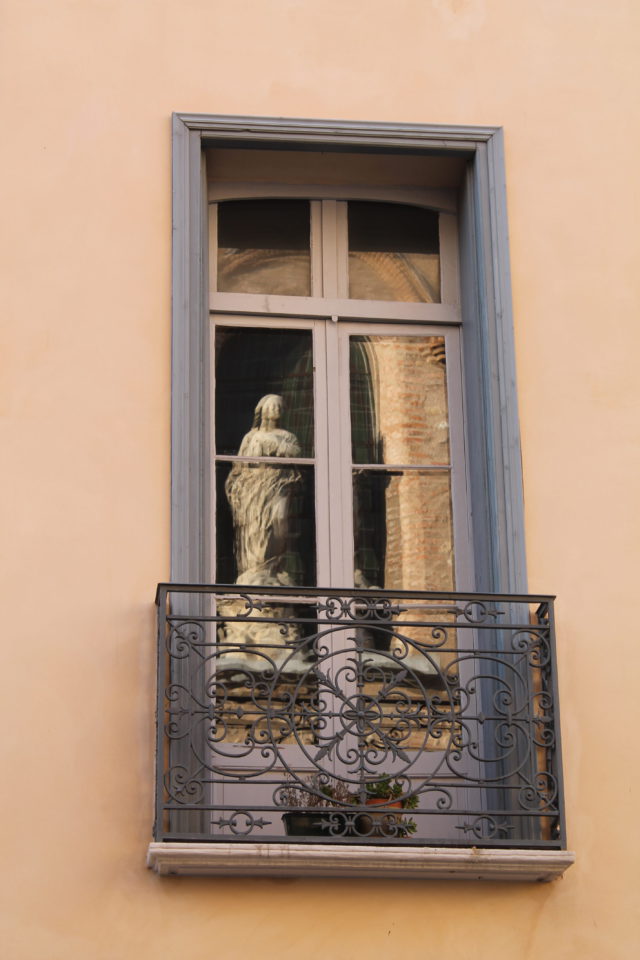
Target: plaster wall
88	87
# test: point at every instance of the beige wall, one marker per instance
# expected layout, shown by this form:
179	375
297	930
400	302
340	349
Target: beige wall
88	88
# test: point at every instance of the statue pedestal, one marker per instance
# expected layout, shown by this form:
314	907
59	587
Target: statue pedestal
260	640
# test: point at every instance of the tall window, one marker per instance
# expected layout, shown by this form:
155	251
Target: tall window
339	250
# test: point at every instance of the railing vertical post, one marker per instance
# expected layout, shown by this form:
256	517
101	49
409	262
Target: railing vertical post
556	753
161	604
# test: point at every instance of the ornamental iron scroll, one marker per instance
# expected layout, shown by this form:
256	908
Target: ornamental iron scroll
351	717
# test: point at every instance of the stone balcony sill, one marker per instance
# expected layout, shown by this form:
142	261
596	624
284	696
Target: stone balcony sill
384	862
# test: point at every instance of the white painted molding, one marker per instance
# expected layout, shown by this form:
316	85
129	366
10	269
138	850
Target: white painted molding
326	860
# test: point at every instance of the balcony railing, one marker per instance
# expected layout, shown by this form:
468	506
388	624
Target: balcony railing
357	717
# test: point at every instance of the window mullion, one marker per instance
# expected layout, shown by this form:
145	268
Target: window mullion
324	529
317	281
212	215
341	521
342	249
330	265
334	285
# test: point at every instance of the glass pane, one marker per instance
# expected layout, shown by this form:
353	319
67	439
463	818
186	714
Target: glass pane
398	389
264	392
265	524
403	530
394	253
264	247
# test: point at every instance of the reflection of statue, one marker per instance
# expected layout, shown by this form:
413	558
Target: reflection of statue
260	494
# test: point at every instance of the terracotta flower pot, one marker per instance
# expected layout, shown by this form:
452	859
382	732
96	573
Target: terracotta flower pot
387	801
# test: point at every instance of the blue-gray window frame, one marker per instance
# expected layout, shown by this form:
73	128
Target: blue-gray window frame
492	434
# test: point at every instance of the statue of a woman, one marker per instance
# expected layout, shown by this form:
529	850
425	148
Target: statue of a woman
259	495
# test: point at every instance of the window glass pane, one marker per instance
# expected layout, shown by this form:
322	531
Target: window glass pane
253	364
394	253
265	524
264	247
403	530
398	391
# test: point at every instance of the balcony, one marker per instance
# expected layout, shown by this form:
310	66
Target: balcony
360	727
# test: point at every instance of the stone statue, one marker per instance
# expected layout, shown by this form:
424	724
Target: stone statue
259	495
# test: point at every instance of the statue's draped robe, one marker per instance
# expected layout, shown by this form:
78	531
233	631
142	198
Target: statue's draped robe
259	495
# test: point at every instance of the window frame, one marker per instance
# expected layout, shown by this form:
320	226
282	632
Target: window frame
496	509
321	301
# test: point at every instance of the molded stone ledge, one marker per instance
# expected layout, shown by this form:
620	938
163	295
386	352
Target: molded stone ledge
325	860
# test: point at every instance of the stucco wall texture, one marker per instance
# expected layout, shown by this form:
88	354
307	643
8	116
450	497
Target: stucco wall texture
88	87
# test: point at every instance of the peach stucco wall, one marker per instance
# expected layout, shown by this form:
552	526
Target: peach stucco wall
88	87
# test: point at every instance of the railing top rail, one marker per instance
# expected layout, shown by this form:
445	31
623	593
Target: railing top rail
164	588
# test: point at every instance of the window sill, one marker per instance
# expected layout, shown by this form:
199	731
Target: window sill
324	860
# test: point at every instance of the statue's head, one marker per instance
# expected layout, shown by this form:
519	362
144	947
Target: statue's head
268	409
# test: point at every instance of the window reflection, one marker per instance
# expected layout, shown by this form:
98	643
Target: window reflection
264	409
264	247
394	253
403	533
403	530
252	362
265	530
398	394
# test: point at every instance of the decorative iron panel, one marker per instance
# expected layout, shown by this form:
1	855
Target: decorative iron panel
356	717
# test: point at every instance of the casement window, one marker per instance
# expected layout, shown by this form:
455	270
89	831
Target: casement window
336	181
346	633
363	468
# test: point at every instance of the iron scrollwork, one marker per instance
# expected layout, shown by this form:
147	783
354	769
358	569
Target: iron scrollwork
357	718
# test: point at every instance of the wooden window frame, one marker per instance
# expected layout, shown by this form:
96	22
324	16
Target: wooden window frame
496	513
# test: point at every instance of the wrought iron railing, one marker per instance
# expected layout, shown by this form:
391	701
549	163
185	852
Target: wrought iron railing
356	716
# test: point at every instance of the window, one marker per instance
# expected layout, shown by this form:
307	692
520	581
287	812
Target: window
336	440
346	470
465	160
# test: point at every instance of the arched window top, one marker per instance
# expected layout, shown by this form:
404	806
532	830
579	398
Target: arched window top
264	246
394	252
384	250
